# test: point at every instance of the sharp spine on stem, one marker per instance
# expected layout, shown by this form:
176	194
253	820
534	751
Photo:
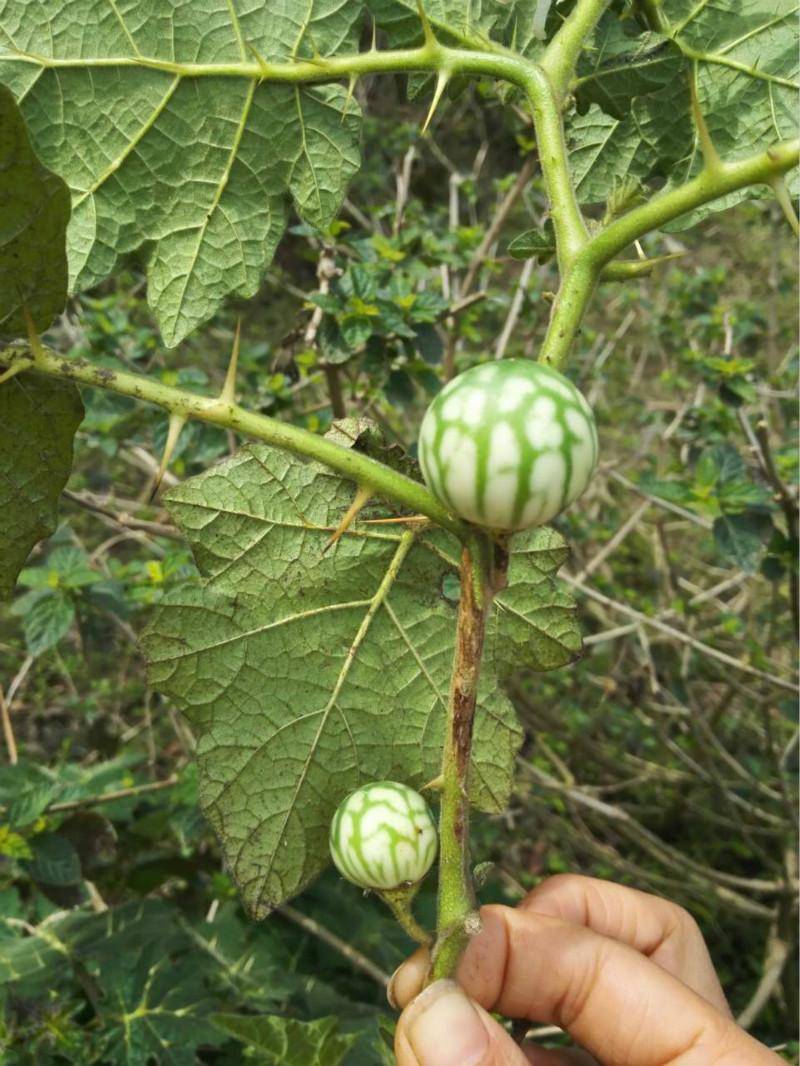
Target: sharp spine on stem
441	82
228	394
362	498
710	154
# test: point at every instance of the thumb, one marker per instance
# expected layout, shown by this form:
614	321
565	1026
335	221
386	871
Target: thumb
442	1027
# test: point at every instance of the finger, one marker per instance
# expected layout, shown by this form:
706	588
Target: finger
657	928
408	979
611	999
443	1028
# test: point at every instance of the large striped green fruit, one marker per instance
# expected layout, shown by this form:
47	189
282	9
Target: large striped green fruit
508	445
383	836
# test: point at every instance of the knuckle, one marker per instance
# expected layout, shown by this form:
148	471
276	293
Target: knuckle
557	884
683	920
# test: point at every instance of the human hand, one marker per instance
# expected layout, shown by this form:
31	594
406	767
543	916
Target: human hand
626	974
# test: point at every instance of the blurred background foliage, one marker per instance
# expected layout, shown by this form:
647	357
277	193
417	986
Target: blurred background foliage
666	758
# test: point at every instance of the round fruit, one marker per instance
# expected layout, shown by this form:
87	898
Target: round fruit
383	836
508	445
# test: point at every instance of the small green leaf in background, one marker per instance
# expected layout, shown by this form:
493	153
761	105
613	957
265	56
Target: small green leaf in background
55	861
34	212
741	539
534	243
159	1011
47	616
13	845
286	1042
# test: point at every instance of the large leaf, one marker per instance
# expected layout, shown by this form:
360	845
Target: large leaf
78	937
286	1041
159	1010
306	674
38	420
34	211
633	92
201	167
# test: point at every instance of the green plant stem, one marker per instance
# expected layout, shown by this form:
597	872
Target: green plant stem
568	224
653	15
579	281
725	178
456	906
348	462
545	86
562	53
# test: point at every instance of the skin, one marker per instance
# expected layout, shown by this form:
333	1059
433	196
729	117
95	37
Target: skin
626	974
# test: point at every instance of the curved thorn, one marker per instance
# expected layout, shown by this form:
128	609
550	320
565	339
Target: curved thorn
263	66
441	82
624	269
20	362
362	498
707	146
351	84
787	206
228	394
176	424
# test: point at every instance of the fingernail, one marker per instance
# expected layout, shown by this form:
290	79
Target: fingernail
390	996
445	1029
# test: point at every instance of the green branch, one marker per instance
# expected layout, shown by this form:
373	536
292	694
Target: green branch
561	55
568	224
348	462
724	178
579	281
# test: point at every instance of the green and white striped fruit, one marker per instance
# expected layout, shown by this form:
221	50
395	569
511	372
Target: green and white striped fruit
508	445
383	836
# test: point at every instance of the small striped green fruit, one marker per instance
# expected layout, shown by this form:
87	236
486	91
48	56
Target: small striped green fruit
383	836
508	445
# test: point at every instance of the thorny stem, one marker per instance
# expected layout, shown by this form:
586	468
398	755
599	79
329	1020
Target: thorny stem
348	462
483	570
562	53
579	281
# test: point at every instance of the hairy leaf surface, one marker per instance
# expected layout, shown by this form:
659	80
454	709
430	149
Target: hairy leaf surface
39	417
34	211
286	1041
307	674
